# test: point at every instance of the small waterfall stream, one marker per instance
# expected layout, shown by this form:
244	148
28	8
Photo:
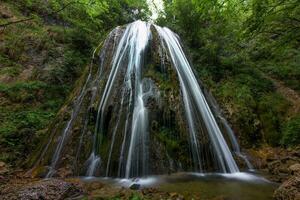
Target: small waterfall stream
130	137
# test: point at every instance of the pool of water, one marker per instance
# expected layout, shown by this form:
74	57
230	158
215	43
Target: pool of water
238	186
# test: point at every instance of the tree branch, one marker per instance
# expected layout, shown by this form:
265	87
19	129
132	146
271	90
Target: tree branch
31	18
15	22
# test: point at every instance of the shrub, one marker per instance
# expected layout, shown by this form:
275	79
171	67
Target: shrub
291	132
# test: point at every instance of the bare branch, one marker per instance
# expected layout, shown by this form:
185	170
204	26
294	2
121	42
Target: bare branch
15	22
31	18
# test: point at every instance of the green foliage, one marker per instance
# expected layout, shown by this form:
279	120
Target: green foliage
291	130
273	29
236	45
40	60
24	92
239	100
19	129
27	108
272	109
166	136
135	197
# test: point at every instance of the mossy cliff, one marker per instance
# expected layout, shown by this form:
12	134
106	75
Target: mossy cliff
45	46
76	123
38	67
251	70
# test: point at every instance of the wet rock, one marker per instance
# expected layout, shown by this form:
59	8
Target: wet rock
295	169
276	162
3	168
147	191
51	189
289	190
90	186
273	166
39	172
135	186
174	195
296	152
64	172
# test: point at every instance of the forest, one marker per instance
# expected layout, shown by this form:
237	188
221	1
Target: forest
66	80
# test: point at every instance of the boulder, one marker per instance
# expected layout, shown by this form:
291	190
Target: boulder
295	169
135	186
289	190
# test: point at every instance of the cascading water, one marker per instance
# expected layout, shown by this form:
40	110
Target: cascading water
66	131
142	112
193	94
131	48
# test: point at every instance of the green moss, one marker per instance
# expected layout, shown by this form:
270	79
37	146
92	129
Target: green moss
165	81
167	137
11	71
32	91
54	49
255	110
8	67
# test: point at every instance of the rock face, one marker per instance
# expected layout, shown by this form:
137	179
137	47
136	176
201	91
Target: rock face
51	189
130	110
279	164
295	169
135	186
289	190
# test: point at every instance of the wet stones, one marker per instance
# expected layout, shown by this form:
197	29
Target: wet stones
295	169
135	186
289	190
49	189
277	162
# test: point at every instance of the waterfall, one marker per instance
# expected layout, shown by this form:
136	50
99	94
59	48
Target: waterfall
66	130
192	93
130	137
130	48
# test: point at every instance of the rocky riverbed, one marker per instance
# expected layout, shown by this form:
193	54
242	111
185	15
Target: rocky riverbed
279	166
55	189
